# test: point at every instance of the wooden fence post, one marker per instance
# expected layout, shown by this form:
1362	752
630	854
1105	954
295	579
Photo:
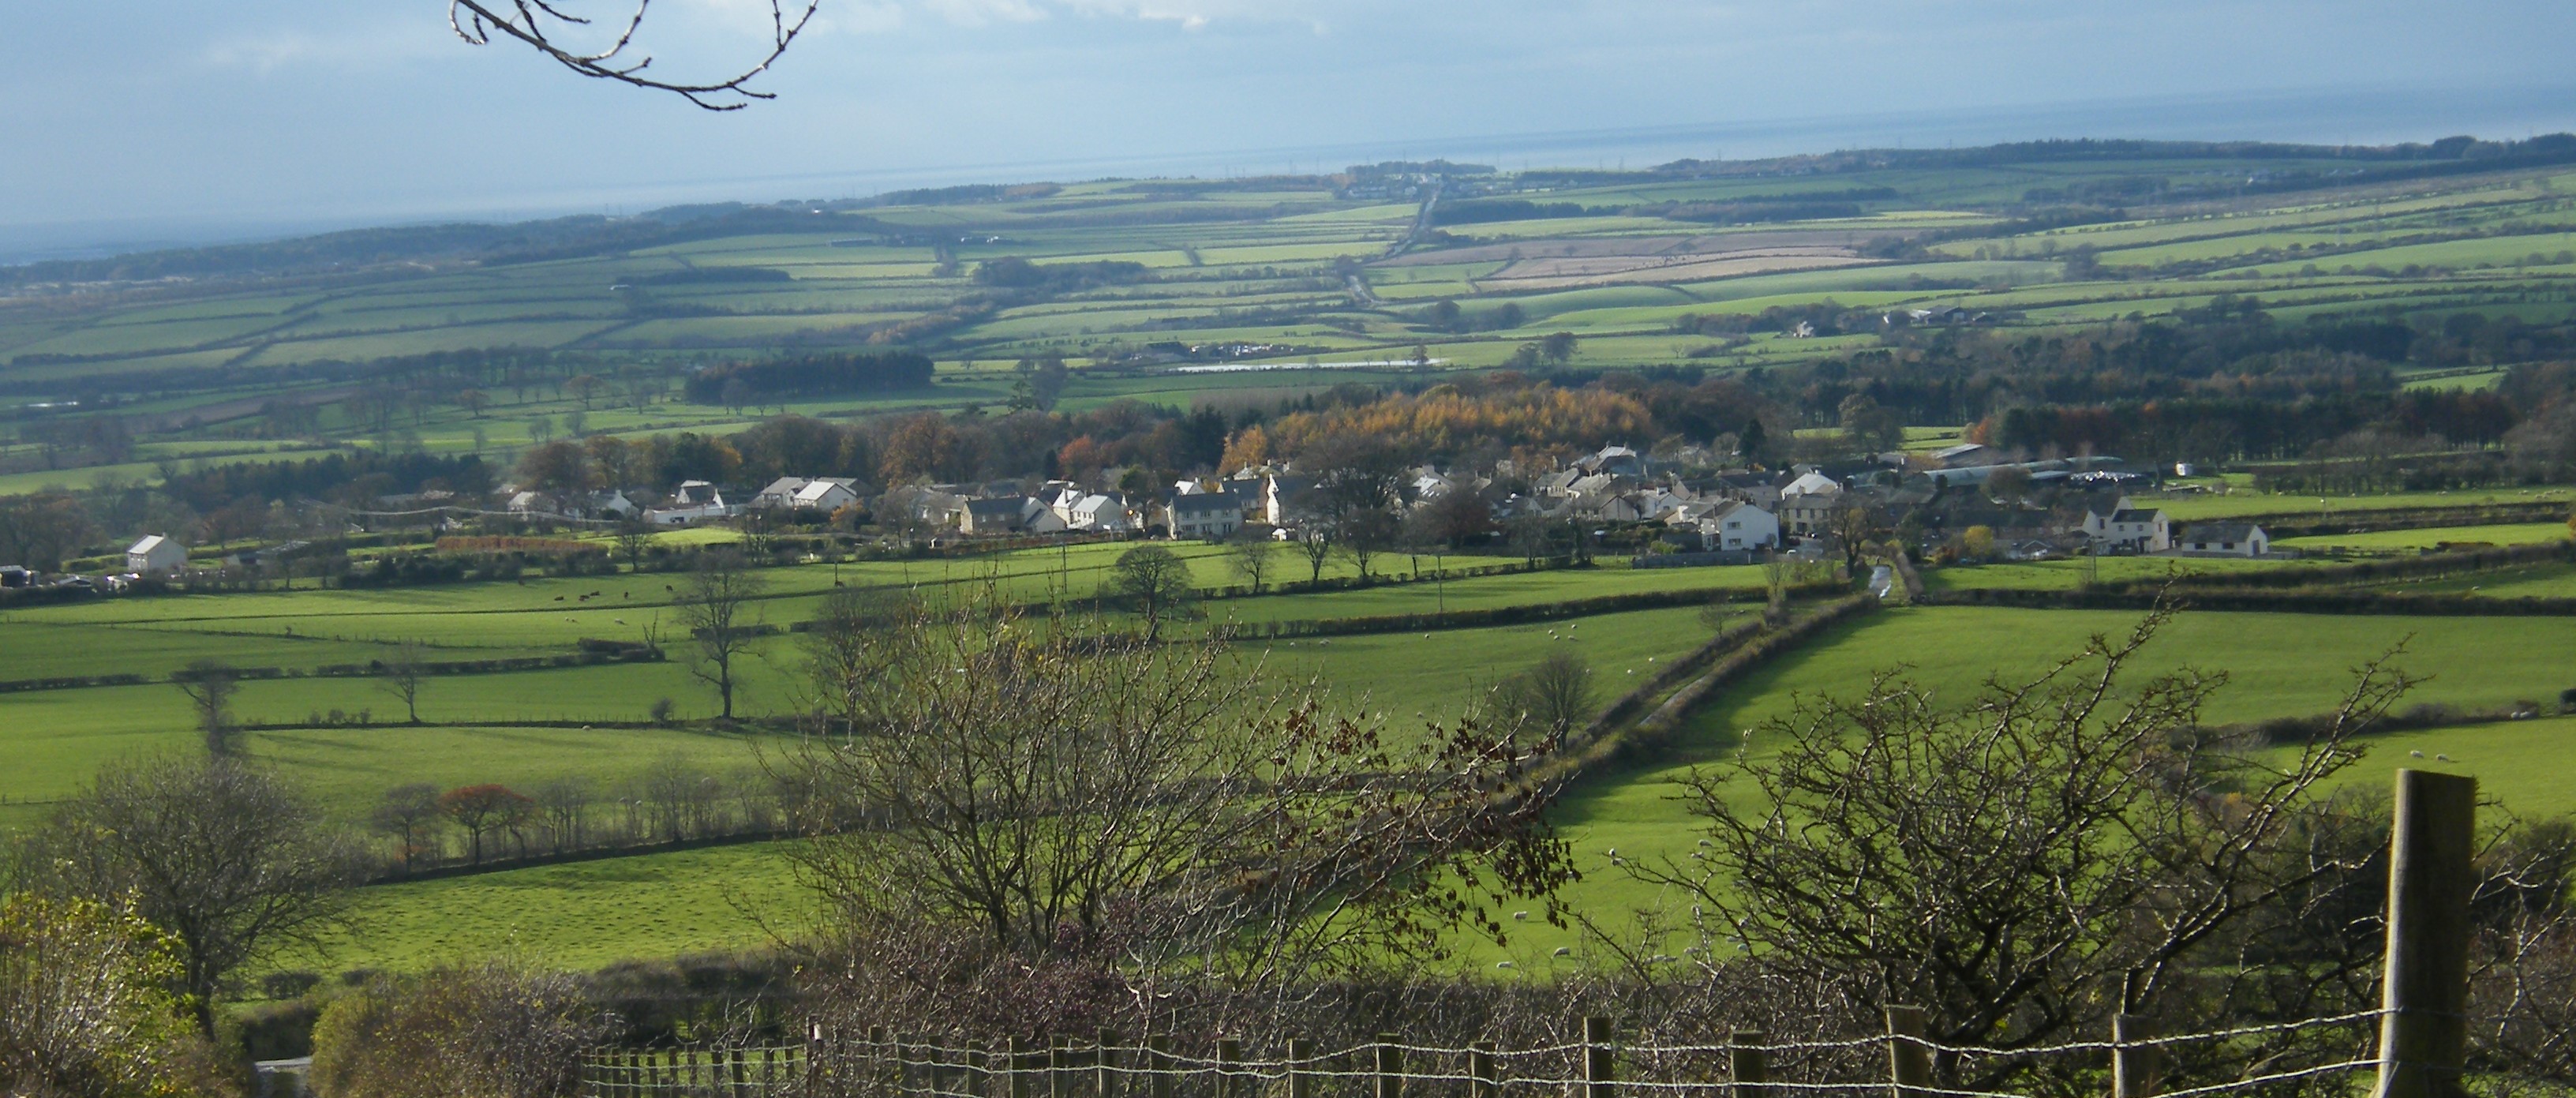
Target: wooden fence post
1015	1067
1105	1065
1482	1065
1600	1059
1158	1063
1909	1062
2423	1034
1390	1067
1301	1079
1059	1070
875	1056
1229	1062
2134	1066
1746	1062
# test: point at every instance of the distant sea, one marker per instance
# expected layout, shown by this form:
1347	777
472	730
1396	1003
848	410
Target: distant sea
2326	117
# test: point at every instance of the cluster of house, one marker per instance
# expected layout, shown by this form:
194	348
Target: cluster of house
1734	515
1717	517
1723	515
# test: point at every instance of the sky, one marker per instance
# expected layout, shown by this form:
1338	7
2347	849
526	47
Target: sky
151	122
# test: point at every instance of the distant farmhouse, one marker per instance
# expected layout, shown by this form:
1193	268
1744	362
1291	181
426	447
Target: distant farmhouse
155	555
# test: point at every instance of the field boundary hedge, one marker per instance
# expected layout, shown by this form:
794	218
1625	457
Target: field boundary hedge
2368	571
2321	600
2293	524
1646	736
1503	615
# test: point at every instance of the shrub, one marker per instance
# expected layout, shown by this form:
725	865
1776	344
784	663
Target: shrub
85	1008
489	1029
287	985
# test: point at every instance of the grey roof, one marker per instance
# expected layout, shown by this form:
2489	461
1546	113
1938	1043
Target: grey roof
2221	531
2135	515
1006	505
1206	502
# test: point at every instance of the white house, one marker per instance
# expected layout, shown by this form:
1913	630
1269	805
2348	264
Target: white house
1101	513
696	501
155	555
1737	525
2230	539
2129	529
808	493
1208	516
1287	500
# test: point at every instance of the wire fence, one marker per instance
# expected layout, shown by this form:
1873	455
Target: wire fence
879	1064
2415	1043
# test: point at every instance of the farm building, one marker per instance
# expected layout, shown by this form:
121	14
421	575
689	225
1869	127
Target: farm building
155	555
16	575
696	501
808	493
2233	539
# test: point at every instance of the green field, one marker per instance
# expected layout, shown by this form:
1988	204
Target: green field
2528	533
1332	295
2278	665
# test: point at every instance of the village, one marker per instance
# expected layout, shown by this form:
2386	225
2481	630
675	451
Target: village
1964	504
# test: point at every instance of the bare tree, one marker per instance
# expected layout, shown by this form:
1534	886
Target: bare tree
1037	797
1315	544
1153	584
544	25
228	857
566	804
1855	526
401	673
2037	858
711	606
1251	553
210	685
479	809
1552	697
634	539
410	815
854	650
1366	533
1531	535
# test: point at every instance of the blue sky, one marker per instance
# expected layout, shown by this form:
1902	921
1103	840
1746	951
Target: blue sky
144	119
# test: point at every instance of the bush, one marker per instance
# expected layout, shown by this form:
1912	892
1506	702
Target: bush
85	1008
490	1029
288	985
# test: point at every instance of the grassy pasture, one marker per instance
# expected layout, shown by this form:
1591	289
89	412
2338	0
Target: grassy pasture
2528	533
2279	664
578	915
2241	501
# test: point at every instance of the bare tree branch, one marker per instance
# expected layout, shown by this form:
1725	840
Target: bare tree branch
539	23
